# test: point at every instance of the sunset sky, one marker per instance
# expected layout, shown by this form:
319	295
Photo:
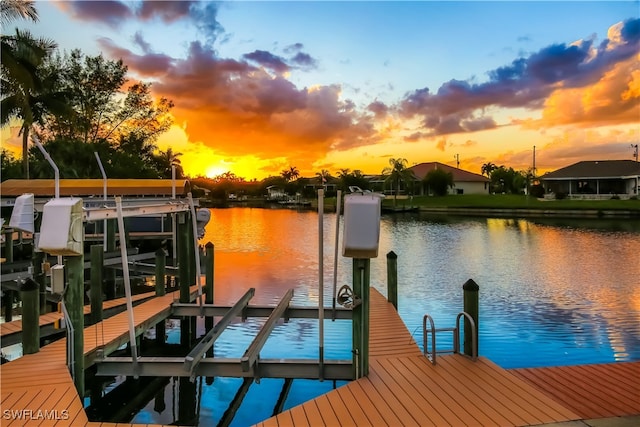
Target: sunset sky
262	86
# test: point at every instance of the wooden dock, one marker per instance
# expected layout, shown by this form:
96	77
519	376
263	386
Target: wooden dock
11	332
591	391
403	387
41	382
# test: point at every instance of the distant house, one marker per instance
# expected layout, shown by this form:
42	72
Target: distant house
595	179
464	182
275	192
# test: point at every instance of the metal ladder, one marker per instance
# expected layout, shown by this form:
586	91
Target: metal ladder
456	337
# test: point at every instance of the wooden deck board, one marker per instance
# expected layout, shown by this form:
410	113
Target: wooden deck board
30	379
404	388
591	391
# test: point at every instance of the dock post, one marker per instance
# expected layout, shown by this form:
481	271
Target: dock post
8	245
361	277
209	268
208	287
74	301
8	305
30	293
471	306
392	279
8	294
160	272
95	295
160	291
110	274
184	273
40	277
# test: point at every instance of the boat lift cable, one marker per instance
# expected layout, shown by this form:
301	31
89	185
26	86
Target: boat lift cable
127	287
194	224
335	255
320	281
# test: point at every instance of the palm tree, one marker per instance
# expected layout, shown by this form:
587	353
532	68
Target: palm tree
29	94
290	174
14	9
487	168
323	176
167	159
398	172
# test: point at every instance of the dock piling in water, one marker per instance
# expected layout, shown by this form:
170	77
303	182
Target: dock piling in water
392	278
97	264
471	293
29	293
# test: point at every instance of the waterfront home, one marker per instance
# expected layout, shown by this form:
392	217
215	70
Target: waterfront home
464	182
594	179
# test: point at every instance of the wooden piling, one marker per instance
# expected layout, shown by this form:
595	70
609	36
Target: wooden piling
160	291
30	294
392	278
360	323
208	271
74	302
95	293
183	257
8	305
8	245
471	307
184	274
39	276
8	294
208	288
160	272
110	273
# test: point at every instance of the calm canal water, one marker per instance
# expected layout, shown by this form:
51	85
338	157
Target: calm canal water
551	293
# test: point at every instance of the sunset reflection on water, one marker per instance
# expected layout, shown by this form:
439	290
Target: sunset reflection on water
549	295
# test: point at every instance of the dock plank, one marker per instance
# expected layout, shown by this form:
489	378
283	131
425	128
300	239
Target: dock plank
591	391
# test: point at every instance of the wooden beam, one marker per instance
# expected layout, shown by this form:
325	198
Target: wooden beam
251	355
195	355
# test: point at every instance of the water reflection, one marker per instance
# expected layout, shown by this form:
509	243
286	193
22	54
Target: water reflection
564	287
551	293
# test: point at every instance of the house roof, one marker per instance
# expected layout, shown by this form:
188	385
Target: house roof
459	175
93	187
596	169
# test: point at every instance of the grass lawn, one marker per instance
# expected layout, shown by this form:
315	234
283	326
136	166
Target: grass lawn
510	201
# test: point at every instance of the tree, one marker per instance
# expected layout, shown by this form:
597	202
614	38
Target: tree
10	166
290	174
352	179
323	177
438	181
397	173
165	160
487	168
22	57
100	111
14	9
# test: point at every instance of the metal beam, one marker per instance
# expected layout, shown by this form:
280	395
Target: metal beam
251	355
195	355
226	367
291	312
100	213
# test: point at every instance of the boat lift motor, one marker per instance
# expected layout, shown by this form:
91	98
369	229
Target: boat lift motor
361	225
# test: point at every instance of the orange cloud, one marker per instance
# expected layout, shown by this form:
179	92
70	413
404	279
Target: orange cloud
613	99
